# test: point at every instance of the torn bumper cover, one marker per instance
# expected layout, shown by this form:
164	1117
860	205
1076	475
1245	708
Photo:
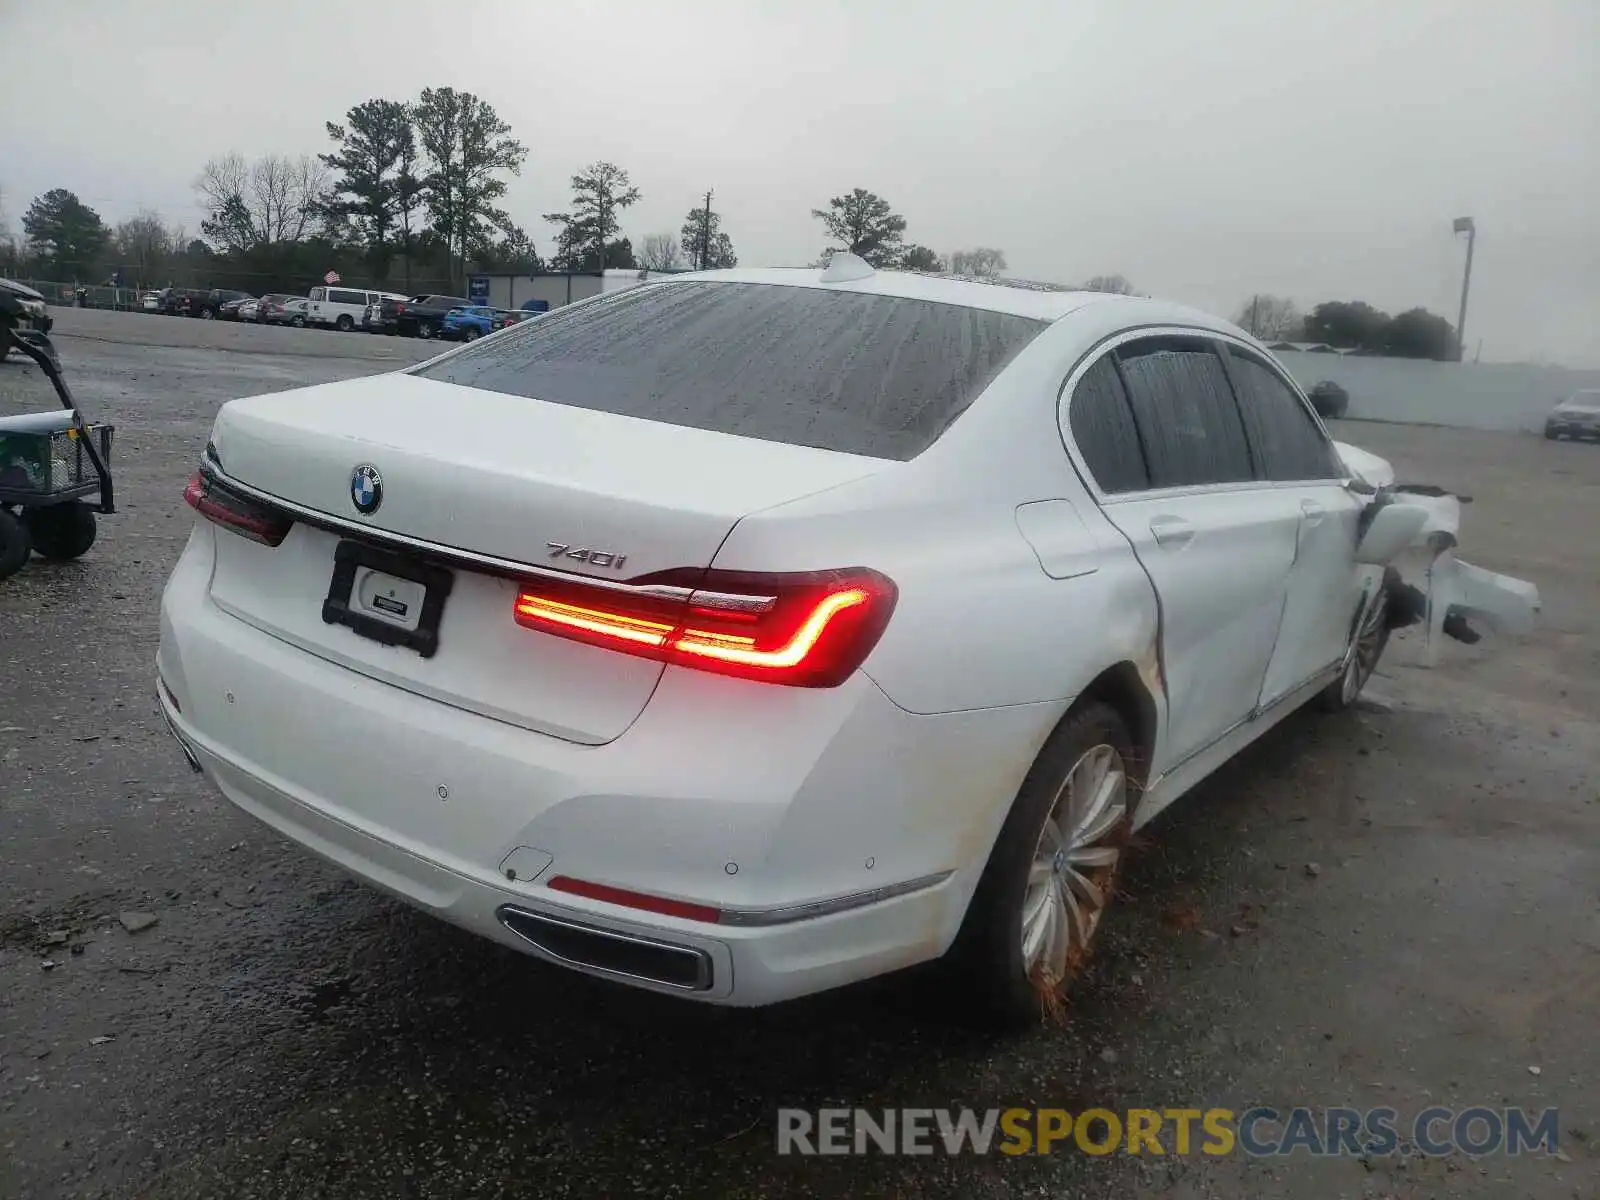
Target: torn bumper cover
1429	585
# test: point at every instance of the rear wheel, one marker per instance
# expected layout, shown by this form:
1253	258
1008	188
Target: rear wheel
207	314
424	329
1032	922
344	324
470	334
13	544
62	530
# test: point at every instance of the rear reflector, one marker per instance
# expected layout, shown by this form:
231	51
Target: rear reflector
640	900
810	629
227	508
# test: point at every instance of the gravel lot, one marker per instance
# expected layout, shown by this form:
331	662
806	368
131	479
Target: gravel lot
284	1032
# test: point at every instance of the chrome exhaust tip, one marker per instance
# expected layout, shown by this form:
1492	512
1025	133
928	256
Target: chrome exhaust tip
188	754
607	952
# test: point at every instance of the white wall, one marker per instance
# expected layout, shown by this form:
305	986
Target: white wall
1501	396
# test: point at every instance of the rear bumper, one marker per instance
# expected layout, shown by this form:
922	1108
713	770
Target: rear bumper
750	799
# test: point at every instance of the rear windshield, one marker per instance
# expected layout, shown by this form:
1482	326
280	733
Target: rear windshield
873	375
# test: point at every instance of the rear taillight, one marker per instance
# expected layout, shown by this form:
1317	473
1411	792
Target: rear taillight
810	629
227	508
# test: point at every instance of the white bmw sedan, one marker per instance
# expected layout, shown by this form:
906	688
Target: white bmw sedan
750	633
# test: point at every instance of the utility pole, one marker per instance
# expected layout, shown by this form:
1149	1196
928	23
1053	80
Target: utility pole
1255	315
705	234
1464	225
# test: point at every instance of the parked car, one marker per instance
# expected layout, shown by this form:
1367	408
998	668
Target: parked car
421	316
743	636
340	308
150	302
270	303
208	305
1330	400
177	301
35	309
471	323
290	312
228	310
1576	417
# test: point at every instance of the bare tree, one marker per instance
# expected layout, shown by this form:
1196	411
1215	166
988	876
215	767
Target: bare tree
10	246
661	252
982	261
1271	318
274	199
144	243
1114	284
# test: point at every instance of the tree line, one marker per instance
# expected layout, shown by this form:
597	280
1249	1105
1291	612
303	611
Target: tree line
409	195
1351	325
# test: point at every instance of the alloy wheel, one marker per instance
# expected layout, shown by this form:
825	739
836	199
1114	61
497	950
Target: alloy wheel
1368	648
1074	864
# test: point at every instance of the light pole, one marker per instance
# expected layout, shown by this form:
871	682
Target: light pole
1464	225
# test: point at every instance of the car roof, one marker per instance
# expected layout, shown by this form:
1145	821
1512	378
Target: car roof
1018	297
22	289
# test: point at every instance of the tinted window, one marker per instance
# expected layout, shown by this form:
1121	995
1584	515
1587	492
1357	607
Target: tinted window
1185	412
344	296
874	375
1286	440
1102	427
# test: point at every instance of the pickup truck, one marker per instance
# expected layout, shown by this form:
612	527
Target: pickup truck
192	303
420	316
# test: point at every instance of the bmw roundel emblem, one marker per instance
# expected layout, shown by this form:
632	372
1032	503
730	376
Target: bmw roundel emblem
366	489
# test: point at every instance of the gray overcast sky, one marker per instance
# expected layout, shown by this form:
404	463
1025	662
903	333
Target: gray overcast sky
1204	150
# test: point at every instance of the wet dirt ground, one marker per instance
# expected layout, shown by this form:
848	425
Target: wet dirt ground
1395	907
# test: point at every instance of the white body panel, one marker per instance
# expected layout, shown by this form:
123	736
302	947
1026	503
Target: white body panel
1019	587
326	305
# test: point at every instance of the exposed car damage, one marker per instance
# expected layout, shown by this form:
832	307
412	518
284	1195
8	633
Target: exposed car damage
1427	583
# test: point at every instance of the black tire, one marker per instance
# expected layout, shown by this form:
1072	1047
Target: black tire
61	531
13	544
425	329
298	322
469	334
1371	639
207	314
986	960
344	324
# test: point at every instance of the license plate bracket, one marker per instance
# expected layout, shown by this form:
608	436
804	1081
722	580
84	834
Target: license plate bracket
340	609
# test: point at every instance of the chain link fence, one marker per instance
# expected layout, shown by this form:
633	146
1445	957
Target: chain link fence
68	295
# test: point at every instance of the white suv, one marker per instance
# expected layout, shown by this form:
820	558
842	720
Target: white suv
792	627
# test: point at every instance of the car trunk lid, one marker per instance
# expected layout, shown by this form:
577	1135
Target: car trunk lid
497	481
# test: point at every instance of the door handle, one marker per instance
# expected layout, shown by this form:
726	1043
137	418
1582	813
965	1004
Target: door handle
1171	531
1314	512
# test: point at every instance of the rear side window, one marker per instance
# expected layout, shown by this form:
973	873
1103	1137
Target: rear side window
317	293
344	296
1287	441
873	375
1185	412
1103	429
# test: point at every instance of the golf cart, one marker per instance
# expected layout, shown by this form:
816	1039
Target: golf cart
50	462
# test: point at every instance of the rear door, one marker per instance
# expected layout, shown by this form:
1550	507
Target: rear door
1298	461
1158	432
